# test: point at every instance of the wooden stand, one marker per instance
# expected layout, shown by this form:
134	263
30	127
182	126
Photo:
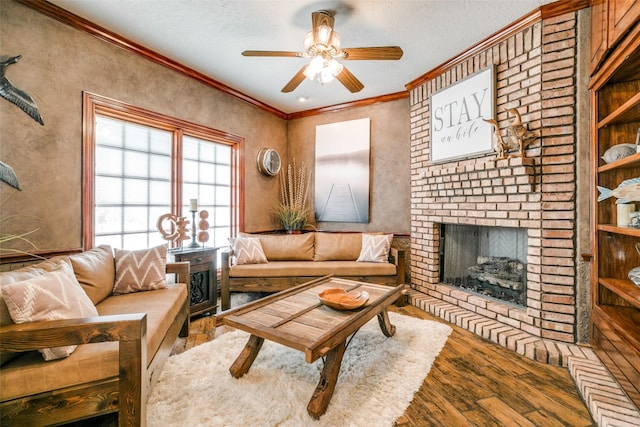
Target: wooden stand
203	283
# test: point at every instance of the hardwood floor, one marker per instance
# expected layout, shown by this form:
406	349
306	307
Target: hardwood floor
473	382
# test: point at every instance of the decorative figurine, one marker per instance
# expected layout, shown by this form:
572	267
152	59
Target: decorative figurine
177	228
203	225
619	152
15	95
499	146
628	191
518	137
516	130
8	176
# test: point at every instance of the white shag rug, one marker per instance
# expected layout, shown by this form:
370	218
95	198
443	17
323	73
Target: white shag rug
377	381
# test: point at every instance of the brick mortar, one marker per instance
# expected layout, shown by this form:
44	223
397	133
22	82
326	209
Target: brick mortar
535	73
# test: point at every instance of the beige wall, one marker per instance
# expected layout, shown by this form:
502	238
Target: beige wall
59	63
390	163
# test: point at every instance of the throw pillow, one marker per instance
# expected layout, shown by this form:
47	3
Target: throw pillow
375	247
95	270
248	250
141	270
53	295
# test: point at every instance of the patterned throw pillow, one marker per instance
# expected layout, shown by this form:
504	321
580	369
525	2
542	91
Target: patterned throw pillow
141	270
248	250
375	247
53	295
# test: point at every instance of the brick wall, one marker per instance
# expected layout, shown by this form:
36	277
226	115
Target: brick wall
536	74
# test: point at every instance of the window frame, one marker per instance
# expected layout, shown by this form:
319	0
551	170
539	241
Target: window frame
94	105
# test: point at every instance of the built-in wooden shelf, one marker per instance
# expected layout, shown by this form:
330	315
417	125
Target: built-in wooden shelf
628	112
627	231
624	288
632	161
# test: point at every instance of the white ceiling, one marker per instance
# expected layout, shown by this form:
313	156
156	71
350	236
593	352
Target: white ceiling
208	36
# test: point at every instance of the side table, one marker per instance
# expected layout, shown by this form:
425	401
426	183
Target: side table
203	286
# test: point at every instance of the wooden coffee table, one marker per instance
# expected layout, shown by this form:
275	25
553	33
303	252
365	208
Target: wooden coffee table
297	319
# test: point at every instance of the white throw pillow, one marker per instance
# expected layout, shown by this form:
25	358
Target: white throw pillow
375	247
141	270
248	250
53	295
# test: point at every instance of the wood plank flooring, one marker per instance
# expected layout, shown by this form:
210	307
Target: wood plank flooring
473	382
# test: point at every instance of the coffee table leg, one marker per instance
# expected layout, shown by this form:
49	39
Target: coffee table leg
327	384
385	325
244	361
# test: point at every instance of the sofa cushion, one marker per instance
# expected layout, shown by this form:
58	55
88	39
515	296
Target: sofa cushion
293	247
141	270
337	246
28	374
161	306
313	269
247	250
95	270
53	295
375	247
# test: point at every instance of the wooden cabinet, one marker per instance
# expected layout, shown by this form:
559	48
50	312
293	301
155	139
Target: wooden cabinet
610	20
615	119
203	286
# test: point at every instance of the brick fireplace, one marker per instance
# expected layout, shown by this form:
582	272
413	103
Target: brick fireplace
536	73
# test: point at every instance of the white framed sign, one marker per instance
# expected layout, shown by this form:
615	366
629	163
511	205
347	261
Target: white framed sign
457	128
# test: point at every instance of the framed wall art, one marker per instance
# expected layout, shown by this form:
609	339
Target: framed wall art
457	128
342	171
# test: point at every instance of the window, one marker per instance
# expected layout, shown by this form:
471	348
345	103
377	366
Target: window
139	165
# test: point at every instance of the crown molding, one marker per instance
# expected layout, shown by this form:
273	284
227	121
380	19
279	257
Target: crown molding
103	34
550	10
348	105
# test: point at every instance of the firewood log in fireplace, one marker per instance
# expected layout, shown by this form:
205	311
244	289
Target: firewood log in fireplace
501	271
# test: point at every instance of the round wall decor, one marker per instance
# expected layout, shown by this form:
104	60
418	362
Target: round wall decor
269	161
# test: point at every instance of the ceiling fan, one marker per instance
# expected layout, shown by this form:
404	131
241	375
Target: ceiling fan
322	46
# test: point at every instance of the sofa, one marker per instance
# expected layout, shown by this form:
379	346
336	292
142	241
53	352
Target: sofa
274	262
108	322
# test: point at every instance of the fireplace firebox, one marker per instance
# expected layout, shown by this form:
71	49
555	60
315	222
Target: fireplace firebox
490	261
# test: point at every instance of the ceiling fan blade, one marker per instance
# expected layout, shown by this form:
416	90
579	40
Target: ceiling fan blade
295	81
273	53
320	20
349	81
382	53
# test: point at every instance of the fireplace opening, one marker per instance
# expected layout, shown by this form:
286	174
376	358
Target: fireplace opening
490	261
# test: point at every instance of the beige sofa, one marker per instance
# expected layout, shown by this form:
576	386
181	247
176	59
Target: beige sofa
297	258
120	353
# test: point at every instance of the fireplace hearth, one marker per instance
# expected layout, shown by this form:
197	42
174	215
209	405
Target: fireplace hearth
486	260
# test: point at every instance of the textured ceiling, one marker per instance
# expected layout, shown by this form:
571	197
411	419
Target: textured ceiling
208	36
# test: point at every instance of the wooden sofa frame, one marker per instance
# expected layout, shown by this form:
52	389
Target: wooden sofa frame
126	393
279	283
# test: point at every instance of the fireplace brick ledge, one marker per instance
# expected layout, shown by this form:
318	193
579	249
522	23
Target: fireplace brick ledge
605	399
505	176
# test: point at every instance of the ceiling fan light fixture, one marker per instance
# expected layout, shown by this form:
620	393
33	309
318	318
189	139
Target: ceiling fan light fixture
322	47
326	75
323	35
308	40
334	43
335	67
